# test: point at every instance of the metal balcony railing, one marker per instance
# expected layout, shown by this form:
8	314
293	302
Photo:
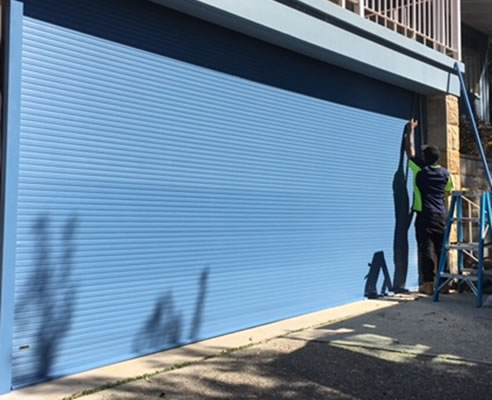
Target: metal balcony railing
434	23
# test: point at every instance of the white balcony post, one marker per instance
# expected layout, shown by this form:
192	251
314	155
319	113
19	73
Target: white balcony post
414	17
428	20
444	22
362	7
425	7
449	27
439	20
421	17
457	23
434	22
456	27
452	28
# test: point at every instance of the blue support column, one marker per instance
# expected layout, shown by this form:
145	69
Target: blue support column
11	128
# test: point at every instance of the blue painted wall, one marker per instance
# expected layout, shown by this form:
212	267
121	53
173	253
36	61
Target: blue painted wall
179	181
9	178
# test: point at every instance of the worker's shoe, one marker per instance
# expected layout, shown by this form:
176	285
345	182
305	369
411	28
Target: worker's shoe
427	288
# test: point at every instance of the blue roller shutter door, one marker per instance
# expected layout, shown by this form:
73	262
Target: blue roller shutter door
179	181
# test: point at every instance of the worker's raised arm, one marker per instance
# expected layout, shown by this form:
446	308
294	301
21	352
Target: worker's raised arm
410	138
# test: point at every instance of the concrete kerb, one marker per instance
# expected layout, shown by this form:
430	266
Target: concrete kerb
84	384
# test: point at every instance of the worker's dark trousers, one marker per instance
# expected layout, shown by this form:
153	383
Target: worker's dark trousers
430	233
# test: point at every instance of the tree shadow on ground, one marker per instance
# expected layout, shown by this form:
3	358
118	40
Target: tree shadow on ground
324	371
336	363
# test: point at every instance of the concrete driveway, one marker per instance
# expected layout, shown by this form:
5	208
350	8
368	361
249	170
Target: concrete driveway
408	348
413	350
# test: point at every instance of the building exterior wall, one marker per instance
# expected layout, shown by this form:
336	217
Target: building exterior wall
337	36
218	179
473	174
347	86
443	131
475	58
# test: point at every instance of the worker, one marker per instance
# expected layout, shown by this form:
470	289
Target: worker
432	183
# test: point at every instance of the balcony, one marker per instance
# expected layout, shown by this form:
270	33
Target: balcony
434	23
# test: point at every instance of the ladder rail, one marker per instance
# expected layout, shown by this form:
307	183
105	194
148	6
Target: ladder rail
472	208
444	250
483	211
460	232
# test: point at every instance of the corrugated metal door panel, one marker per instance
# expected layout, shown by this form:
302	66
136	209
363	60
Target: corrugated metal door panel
163	200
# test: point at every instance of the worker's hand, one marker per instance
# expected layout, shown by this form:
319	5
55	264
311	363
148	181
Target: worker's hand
409	138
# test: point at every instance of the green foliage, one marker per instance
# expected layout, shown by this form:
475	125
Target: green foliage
468	145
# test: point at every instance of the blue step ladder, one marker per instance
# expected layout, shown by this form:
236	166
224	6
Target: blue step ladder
474	247
472	277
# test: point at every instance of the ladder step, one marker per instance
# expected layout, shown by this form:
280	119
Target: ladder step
467	194
473	278
473	271
467	273
466	219
466	246
462	246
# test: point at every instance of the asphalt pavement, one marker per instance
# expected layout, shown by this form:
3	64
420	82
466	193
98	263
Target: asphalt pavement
414	349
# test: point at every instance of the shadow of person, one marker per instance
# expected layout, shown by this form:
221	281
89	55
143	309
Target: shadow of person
403	219
377	265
